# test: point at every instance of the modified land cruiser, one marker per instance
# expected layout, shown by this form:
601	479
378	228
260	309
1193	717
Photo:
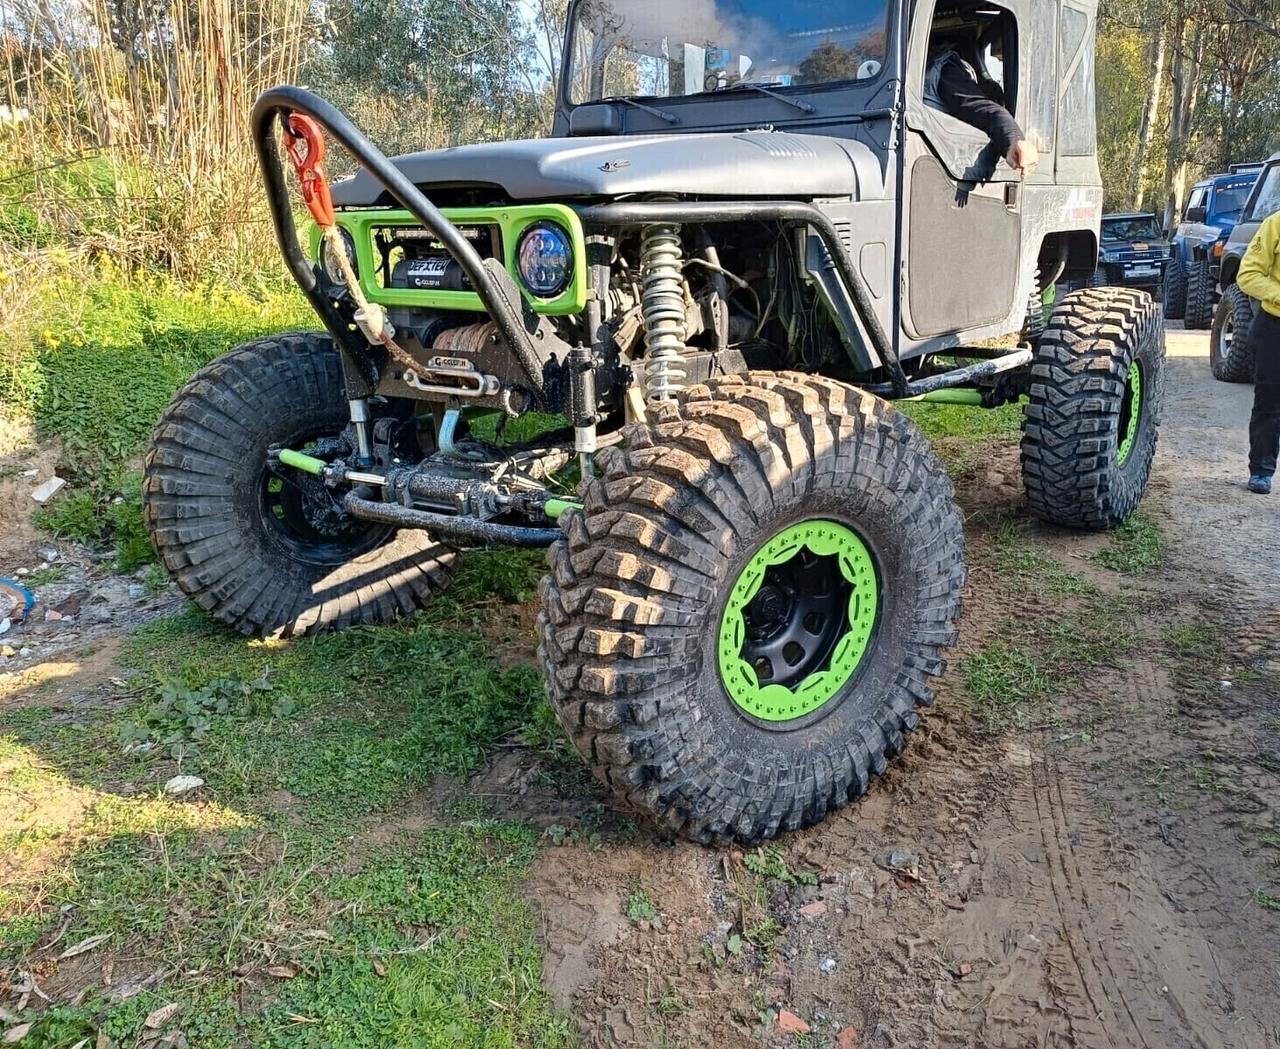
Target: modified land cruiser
666	343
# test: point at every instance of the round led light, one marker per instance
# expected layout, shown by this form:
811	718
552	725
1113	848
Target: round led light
329	258
544	259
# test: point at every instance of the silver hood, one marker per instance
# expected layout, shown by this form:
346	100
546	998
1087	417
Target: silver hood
733	164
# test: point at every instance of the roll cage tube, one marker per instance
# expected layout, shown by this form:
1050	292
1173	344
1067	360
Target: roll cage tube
496	290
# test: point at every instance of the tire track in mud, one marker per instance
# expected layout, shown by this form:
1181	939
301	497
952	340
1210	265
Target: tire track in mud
1092	950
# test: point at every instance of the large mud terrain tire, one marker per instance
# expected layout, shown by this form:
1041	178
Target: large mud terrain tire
1175	290
739	626
1093	413
266	552
1199	311
1230	355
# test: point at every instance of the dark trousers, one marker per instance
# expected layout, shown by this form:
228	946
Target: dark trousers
1264	424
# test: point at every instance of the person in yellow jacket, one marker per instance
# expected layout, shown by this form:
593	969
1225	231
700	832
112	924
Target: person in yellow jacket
1259	278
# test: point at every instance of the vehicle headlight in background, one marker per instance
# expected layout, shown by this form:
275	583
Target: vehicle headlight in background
544	259
1110	256
329	258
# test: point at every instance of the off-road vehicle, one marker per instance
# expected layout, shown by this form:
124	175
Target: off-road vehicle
1213	208
747	237
1133	253
1230	355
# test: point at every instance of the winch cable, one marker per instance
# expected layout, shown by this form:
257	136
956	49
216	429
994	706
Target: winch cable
306	152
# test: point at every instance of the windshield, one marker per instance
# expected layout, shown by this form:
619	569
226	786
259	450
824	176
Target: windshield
661	48
1268	199
1228	200
1126	231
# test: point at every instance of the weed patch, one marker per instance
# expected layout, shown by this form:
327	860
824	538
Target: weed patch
1136	547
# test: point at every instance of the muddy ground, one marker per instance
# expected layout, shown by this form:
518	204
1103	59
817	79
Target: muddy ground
1094	868
1092	880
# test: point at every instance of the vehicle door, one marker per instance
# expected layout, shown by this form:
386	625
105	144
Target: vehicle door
963	229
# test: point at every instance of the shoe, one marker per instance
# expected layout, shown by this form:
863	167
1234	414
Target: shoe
1260	484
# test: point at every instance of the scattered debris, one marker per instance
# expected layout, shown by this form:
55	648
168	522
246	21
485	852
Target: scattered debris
964	969
905	862
5	624
161	1016
16	1034
283	972
183	784
16	601
52	615
85	946
828	965
789	1021
814	909
48	490
137	590
847	1038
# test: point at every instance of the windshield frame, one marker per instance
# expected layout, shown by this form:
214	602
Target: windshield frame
846	99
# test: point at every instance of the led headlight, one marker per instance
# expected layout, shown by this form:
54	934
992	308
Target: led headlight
329	257
544	259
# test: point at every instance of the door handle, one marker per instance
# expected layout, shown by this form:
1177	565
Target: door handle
1012	195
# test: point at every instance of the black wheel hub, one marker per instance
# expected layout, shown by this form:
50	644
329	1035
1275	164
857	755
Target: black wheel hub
308	518
796	618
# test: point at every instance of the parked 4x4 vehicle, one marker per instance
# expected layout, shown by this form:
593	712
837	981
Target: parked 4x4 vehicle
1133	252
666	343
1213	207
1230	355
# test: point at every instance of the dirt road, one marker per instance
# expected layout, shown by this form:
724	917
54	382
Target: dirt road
1098	869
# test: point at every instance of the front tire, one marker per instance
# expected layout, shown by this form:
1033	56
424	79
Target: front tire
1230	355
1199	311
264	552
1175	290
1093	412
663	622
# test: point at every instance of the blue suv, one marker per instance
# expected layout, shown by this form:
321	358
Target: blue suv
1191	278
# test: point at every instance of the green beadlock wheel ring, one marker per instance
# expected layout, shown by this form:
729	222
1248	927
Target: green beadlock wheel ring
1133	388
776	702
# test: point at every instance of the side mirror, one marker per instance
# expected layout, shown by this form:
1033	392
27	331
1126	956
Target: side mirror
1195	215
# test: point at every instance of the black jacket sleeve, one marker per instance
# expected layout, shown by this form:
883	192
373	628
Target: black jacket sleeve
966	100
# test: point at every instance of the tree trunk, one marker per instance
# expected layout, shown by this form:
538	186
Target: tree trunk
1138	176
1187	61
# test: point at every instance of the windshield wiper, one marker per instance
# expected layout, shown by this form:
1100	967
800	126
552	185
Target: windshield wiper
764	89
661	114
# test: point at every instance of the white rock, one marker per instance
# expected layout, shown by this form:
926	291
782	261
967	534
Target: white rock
182	784
47	490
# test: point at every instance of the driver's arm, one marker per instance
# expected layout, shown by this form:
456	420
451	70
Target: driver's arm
965	100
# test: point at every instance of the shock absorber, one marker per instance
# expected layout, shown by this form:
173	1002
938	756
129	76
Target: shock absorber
662	309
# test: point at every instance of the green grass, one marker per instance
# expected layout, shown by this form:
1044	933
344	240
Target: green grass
1012	679
1196	640
1136	547
287	903
1015	557
965	422
98	375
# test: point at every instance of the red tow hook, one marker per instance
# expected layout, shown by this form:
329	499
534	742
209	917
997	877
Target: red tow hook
306	150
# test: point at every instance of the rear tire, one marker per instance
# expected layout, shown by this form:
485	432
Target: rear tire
1199	311
640	637
1175	290
1230	355
1093	413
248	545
